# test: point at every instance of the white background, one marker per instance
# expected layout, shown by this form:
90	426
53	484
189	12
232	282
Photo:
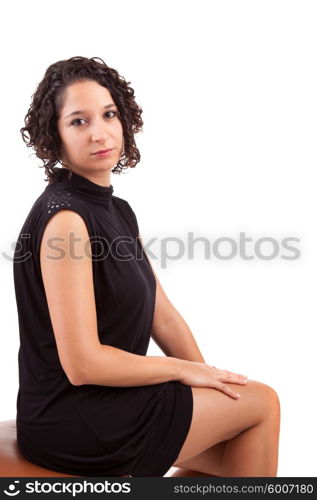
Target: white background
228	91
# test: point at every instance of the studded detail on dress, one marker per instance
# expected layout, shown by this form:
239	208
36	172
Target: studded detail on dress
58	199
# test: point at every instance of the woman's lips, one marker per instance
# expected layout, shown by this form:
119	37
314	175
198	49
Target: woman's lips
103	153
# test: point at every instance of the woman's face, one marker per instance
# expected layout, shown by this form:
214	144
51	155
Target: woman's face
93	125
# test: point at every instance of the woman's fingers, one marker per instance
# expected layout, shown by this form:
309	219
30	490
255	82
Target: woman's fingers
238	379
227	376
226	389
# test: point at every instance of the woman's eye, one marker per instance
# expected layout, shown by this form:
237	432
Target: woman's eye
80	119
75	121
115	113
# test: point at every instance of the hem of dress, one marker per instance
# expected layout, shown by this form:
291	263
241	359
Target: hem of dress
149	437
164	458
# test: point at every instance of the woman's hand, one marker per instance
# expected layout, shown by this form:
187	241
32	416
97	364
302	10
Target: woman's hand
202	375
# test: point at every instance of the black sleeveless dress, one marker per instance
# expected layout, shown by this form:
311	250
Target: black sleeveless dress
93	430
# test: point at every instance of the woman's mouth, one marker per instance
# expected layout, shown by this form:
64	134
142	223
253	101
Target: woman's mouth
102	153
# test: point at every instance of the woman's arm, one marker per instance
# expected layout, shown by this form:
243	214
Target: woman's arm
118	368
68	284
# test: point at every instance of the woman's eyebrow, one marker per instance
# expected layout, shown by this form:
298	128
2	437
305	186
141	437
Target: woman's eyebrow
79	112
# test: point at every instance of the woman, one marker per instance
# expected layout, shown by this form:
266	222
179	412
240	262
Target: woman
90	401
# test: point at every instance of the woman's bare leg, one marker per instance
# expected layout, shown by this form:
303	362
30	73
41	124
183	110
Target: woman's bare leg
206	463
230	437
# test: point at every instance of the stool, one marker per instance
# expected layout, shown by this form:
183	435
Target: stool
12	462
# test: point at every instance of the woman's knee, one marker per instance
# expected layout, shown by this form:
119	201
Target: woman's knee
274	401
217	417
266	397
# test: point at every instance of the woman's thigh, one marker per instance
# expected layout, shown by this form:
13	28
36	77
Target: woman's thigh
218	417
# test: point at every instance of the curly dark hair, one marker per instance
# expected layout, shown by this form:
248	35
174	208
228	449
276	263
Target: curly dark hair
47	101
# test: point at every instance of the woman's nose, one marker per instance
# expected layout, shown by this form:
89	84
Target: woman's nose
99	130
